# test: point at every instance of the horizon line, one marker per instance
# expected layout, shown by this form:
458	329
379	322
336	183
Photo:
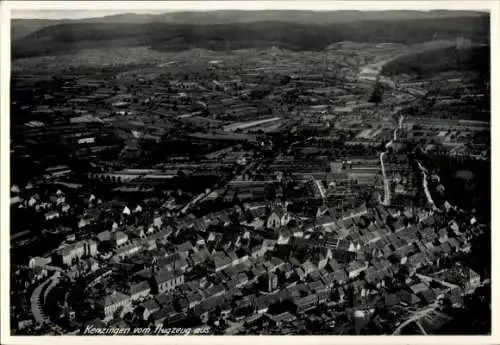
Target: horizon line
159	12
69	10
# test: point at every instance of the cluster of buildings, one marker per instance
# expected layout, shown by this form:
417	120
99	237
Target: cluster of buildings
222	196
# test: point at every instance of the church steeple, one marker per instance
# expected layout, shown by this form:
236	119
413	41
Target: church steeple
154	266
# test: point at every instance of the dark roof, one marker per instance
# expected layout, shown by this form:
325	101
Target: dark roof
138	287
279	211
408	297
185	247
150	305
428	295
163	276
392	299
220	259
164	299
214	290
306	300
160	315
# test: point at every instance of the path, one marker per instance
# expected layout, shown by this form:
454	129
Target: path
415	317
425	185
387	190
37	300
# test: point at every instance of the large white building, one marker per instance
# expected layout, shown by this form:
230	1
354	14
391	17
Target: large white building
67	253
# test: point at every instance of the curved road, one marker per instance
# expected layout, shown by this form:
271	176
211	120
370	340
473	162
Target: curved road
37	301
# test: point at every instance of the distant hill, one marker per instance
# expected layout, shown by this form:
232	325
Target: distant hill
300	17
311	31
434	61
24	27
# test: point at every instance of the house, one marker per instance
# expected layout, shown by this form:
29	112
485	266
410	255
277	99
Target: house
317	287
355	268
429	296
275	264
181	264
199	256
39	261
39	272
418	288
269	244
181	304
145	309
242	256
165	280
343	256
118	323
306	303
279	319
218	261
257	251
455	297
308	267
321	257
118	239
104	236
416	260
157	222
214	291
260	304
137	232
277	218
128	250
340	277
454	244
333	266
194	299
185	249
138	290
463	277
67	253
328	280
15	200
443	235
233	257
112	302
159	317
392	299
284	237
24	323
408	298
92	264
164	299
286	270
65	208
297	232
52	215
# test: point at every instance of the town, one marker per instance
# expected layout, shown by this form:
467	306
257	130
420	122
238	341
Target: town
252	191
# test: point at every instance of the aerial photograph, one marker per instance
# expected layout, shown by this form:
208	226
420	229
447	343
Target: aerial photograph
250	172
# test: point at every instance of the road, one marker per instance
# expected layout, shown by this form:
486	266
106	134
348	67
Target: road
425	185
415	317
386	201
432	308
202	196
428	279
320	188
36	301
387	190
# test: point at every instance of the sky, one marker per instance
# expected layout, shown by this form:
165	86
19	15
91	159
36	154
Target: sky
87	9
